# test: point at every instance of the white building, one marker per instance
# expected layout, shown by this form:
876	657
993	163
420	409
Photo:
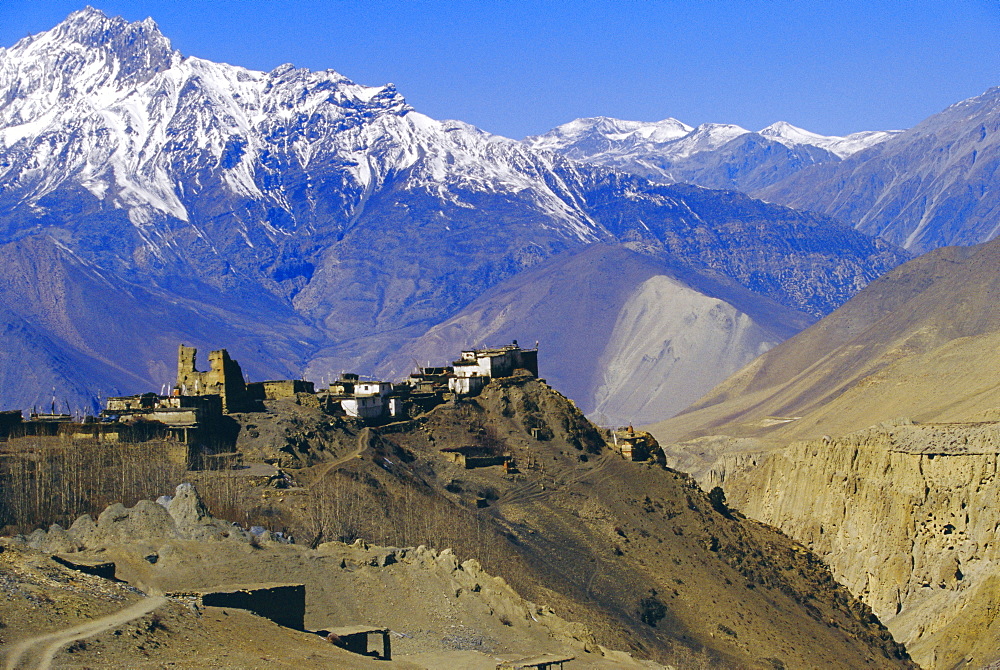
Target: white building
496	362
365	406
467	381
373	388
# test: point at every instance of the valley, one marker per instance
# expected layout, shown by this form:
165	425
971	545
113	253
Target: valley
345	221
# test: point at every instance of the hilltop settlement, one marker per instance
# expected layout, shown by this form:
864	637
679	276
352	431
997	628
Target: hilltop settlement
338	515
191	418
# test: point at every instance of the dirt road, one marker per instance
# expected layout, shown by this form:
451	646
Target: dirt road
44	647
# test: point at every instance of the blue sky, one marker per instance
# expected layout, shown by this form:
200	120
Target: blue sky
519	68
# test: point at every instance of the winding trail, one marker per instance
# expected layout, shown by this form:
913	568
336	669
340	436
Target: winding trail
364	439
47	645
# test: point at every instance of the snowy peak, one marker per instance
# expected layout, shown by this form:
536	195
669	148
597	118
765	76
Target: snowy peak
661	131
92	27
138	50
88	61
843	147
713	155
106	106
786	131
583	137
615	142
706	137
671	139
620	129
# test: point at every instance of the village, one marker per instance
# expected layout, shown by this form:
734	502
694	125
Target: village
192	417
194	424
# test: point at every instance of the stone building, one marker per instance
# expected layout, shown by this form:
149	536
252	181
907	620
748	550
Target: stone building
467	381
278	388
224	378
366	407
637	445
187	419
500	362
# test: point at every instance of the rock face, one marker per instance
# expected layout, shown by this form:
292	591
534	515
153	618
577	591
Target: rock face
906	516
185	200
930	186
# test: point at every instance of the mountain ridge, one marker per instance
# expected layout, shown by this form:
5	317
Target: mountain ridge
904	346
929	186
353	221
713	155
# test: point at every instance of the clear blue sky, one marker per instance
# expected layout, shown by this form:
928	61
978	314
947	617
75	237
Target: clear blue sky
519	68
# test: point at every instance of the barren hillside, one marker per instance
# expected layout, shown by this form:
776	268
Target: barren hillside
871	437
636	554
919	342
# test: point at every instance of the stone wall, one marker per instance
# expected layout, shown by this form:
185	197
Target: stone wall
284	604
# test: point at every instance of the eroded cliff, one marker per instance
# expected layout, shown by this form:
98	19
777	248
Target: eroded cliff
906	516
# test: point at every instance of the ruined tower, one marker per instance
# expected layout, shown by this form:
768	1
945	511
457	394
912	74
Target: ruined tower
223	378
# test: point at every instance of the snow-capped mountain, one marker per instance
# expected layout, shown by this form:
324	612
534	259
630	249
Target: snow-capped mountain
108	105
200	201
714	155
584	138
843	147
933	185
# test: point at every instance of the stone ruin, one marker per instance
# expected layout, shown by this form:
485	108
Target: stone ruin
224	378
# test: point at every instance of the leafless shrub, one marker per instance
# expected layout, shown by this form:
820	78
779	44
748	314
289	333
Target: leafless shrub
42	482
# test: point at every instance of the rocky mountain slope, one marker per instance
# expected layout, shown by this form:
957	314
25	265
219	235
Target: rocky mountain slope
918	342
637	554
648	337
930	186
903	512
713	155
73	330
208	193
923	188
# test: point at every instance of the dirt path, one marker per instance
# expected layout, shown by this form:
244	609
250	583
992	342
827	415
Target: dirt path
46	646
364	438
531	491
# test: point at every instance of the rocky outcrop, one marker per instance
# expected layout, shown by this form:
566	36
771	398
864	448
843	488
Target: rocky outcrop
180	517
906	516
